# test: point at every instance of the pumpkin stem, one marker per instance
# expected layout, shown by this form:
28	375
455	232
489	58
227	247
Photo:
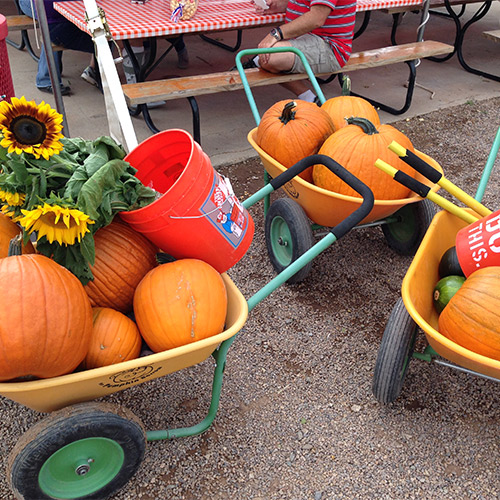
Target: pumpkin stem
15	245
367	126
288	112
164	258
346	86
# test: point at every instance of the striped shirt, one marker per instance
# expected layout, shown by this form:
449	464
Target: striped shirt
338	29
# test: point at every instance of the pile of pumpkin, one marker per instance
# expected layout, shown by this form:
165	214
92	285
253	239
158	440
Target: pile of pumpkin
469	307
50	324
347	129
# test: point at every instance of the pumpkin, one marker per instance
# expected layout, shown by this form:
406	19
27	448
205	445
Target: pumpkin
291	130
122	258
115	338
344	106
9	229
45	317
356	147
180	302
471	318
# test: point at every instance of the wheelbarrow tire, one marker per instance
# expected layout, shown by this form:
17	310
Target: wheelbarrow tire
288	236
84	451
404	235
394	355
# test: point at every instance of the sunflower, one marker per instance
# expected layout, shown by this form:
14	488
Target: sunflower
30	128
6	210
62	224
13	199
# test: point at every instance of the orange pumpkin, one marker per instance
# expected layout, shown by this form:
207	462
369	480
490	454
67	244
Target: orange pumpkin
9	229
115	338
356	147
122	258
344	106
45	318
471	317
179	303
291	130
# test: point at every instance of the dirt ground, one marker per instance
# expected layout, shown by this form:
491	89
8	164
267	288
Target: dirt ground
297	418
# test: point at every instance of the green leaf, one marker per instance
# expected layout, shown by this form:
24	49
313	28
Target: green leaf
69	257
87	247
19	169
91	193
98	158
116	152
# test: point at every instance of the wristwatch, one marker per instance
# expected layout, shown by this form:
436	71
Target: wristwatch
277	34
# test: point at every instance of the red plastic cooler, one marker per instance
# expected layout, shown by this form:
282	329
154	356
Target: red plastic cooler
6	85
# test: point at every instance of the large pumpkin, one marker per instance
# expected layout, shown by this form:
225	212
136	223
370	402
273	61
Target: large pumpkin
472	316
115	338
9	229
45	318
122	258
345	106
179	303
291	130
356	147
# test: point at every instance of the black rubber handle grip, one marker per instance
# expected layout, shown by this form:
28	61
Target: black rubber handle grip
422	167
360	187
411	183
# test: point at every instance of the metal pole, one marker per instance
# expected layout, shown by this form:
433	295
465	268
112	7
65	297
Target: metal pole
56	88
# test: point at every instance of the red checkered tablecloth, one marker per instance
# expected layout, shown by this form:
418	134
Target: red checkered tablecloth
152	19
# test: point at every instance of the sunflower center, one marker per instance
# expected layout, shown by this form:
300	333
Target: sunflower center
50	220
28	130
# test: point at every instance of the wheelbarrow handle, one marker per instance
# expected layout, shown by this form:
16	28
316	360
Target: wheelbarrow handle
416	162
437	177
424	191
360	187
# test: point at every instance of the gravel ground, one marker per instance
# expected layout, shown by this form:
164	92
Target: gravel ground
297	418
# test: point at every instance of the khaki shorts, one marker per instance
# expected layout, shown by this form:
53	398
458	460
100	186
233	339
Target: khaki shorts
318	53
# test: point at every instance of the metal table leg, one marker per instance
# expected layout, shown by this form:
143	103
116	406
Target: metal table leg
141	75
25	39
460	31
224	45
408	98
480	13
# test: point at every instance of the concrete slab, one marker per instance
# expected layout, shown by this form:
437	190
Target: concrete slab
226	118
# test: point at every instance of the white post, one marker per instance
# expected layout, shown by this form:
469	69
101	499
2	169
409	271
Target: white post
119	121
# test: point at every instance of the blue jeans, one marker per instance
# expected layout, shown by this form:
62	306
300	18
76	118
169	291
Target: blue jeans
62	33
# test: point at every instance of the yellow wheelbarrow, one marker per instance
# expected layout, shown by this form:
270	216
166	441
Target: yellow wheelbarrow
290	222
415	310
85	449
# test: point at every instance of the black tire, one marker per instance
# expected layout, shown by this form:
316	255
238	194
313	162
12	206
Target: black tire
47	461
404	235
288	236
394	355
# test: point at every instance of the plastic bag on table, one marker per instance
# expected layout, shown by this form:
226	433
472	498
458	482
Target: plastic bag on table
182	10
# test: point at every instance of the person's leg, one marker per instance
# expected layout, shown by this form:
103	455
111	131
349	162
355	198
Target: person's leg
69	36
317	53
42	80
137	46
42	74
180	48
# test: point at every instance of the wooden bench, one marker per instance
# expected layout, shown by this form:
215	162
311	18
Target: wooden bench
193	86
20	22
492	35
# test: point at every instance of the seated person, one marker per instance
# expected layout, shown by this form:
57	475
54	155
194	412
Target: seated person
321	29
66	34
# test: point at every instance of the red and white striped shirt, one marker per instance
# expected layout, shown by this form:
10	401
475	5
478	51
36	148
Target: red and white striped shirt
338	29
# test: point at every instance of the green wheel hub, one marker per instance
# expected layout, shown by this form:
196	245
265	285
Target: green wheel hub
281	240
404	229
81	468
